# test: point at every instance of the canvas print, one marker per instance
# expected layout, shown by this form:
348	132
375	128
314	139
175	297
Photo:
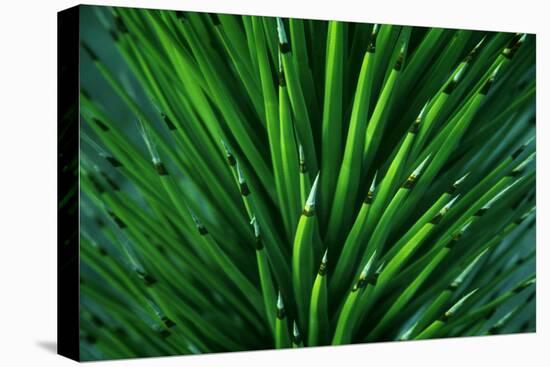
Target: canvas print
253	182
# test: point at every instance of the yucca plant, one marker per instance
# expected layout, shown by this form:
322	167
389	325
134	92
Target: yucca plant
259	182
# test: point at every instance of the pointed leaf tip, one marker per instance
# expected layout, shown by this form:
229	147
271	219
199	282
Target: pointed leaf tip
295	330
368	266
459	73
301	153
380	267
459	303
495	72
460	278
495	198
145	133
411	180
280	303
281	31
420	167
423	110
240	174
465	227
529	141
461	180
225	146
451	203
525	162
373	183
256	226
310	203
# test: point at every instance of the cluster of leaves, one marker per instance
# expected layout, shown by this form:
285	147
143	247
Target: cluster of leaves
300	183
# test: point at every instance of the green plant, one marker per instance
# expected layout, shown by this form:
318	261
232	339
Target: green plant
299	183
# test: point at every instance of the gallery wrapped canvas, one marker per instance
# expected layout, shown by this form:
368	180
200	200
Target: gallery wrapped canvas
236	183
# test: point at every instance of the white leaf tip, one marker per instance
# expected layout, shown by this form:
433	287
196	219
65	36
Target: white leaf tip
313	193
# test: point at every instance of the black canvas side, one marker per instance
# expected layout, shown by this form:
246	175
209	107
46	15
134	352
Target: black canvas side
67	183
